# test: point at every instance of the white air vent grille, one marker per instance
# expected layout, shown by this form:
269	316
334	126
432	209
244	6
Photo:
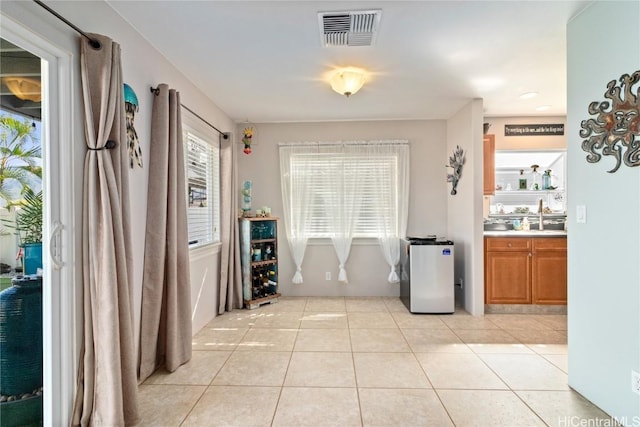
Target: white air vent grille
356	28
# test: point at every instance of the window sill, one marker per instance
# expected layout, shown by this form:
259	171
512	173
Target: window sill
357	241
206	250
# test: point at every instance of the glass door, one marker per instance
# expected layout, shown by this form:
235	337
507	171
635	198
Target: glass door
36	186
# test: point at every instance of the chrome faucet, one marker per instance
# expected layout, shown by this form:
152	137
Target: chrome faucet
540	224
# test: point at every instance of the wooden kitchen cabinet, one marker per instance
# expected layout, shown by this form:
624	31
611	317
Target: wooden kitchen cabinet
549	271
525	270
507	270
489	154
508	278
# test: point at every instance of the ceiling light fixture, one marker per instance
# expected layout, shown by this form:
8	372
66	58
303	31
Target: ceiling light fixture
347	81
528	95
24	88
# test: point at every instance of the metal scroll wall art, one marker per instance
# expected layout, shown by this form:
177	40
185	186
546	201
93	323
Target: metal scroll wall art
456	161
615	129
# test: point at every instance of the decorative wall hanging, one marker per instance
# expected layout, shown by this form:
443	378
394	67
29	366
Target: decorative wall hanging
615	130
247	138
130	108
456	161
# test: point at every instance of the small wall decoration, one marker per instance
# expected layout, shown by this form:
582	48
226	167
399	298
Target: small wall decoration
130	108
615	129
456	161
534	130
247	138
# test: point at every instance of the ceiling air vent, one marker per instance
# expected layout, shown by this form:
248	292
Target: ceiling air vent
355	28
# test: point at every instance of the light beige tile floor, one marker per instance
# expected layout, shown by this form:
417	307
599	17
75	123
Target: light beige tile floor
369	362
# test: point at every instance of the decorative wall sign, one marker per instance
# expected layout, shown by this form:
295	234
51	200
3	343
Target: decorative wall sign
456	161
534	130
615	130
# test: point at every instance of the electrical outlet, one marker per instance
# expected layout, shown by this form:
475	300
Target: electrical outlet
327	275
635	382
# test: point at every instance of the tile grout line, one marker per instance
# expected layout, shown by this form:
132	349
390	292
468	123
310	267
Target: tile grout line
355	374
186	417
275	409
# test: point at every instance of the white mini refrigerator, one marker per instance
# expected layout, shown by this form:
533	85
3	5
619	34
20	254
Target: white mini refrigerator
426	275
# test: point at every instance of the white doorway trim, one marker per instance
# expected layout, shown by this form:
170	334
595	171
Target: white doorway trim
59	284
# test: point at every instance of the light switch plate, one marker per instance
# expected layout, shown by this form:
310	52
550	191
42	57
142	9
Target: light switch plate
581	214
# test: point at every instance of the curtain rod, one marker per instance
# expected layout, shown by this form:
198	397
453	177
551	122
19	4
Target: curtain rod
93	42
225	135
342	143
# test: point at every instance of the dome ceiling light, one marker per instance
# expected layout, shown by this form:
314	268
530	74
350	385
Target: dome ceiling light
347	81
24	88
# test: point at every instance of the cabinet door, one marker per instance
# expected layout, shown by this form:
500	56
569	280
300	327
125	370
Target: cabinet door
549	277
489	149
507	278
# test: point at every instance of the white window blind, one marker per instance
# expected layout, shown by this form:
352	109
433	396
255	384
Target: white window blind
202	167
377	187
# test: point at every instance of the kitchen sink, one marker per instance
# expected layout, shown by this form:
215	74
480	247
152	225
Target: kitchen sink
498	226
508	226
553	226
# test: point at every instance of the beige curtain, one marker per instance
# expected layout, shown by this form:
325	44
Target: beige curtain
165	329
107	387
230	295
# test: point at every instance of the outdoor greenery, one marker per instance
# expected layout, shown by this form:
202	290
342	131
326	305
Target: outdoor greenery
29	217
20	156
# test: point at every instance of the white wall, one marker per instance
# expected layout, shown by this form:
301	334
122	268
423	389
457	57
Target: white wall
465	227
366	267
143	67
604	253
9	241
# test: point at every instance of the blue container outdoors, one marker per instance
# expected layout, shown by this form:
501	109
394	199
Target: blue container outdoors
21	352
32	257
21	336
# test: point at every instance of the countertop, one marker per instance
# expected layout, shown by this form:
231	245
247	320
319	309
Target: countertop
531	233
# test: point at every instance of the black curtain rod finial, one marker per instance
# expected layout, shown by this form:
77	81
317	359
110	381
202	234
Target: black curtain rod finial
225	135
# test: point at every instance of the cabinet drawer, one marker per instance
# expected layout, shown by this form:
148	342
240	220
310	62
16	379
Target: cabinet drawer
508	244
549	244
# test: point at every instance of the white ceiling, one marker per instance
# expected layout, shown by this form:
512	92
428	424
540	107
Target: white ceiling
262	61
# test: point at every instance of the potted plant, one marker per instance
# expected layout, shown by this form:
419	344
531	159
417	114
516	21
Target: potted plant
28	226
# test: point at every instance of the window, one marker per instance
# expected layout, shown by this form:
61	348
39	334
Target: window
202	170
363	180
326	170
